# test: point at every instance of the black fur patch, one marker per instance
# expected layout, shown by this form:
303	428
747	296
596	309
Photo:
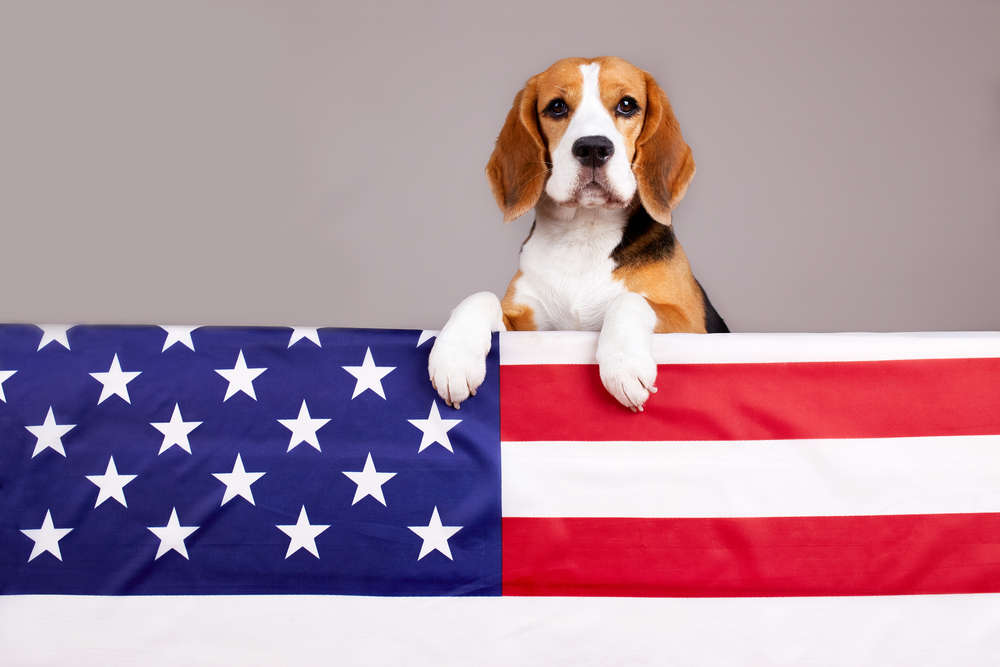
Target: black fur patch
713	322
644	241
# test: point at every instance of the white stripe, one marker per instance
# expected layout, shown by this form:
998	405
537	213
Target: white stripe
752	478
580	347
322	630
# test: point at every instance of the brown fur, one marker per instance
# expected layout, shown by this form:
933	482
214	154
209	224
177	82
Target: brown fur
671	291
517	169
664	165
516	317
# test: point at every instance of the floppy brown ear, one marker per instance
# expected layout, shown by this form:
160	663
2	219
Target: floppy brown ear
516	170
664	162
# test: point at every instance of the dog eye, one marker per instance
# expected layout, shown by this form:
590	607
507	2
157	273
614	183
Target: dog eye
627	106
557	108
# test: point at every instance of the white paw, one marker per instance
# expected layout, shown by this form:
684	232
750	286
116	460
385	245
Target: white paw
457	364
456	370
624	351
630	378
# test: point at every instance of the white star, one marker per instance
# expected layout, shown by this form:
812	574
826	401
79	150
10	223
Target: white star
54	333
49	434
111	484
46	538
238	482
369	375
298	333
425	336
172	536
435	536
240	378
369	481
303	429
177	333
435	429
4	376
115	381
303	535
175	431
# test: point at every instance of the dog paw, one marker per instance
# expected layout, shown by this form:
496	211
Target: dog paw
630	378
624	351
457	364
456	371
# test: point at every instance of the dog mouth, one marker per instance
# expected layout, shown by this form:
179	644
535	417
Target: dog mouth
594	193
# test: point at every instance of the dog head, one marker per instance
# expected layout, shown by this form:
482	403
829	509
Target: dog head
594	133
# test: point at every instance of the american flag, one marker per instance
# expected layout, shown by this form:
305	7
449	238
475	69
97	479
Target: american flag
782	498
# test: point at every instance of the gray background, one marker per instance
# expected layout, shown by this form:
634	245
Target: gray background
315	163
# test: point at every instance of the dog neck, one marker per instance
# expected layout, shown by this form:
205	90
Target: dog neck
627	235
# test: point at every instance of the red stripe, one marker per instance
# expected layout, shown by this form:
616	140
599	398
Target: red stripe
758	557
861	399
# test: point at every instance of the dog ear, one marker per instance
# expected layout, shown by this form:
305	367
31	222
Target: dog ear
516	170
664	164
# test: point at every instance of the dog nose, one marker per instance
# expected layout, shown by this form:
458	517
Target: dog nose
593	151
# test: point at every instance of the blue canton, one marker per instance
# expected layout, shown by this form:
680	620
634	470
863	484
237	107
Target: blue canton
258	462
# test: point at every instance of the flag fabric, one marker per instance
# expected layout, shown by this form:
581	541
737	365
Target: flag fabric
302	496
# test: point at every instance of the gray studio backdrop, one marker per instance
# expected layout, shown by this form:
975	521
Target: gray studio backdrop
321	163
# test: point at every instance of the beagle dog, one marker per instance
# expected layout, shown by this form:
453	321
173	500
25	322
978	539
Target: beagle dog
593	146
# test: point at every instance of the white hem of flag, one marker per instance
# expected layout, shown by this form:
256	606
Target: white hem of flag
359	631
580	347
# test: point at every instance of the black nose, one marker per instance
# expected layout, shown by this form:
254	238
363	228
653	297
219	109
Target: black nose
593	151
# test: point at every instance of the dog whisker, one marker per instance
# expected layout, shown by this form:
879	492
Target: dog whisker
544	173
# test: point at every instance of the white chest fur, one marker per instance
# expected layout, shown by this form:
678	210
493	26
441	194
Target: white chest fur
566	267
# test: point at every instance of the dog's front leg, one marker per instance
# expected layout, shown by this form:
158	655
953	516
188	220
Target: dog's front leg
457	364
624	350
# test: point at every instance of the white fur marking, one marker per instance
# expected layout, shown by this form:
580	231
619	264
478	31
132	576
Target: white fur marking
589	119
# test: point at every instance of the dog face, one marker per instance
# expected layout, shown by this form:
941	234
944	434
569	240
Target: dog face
593	133
590	120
